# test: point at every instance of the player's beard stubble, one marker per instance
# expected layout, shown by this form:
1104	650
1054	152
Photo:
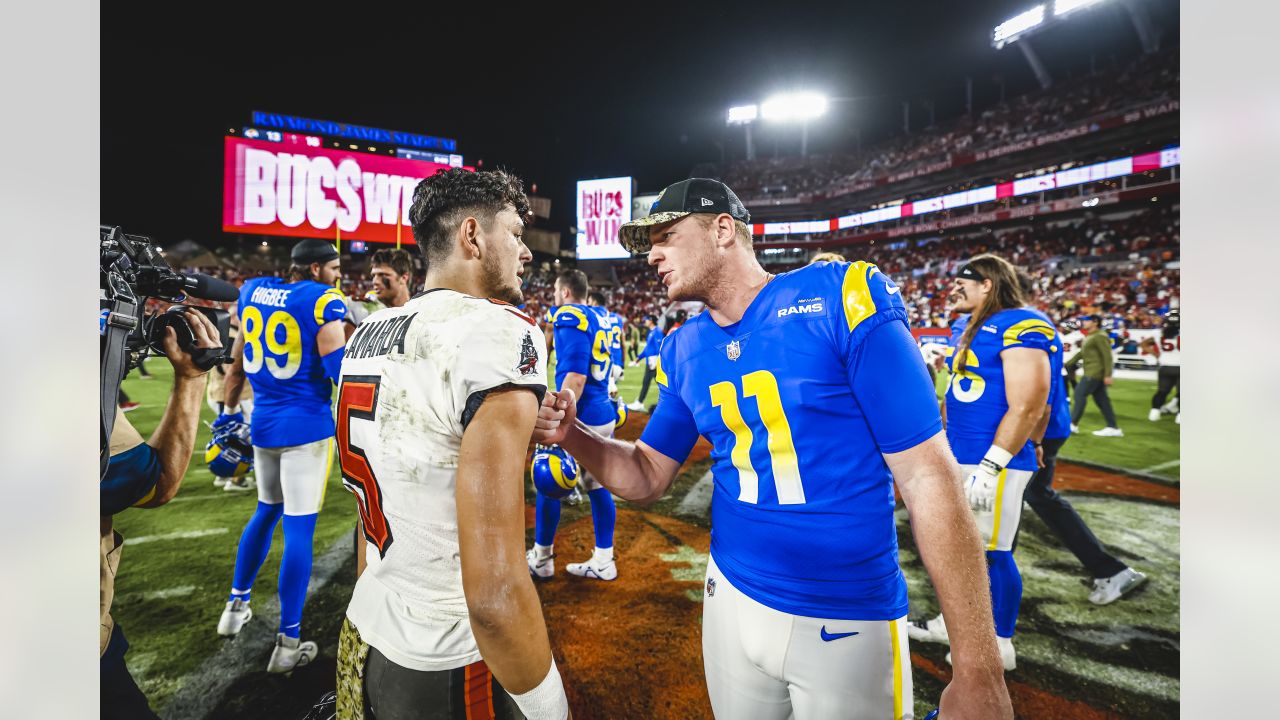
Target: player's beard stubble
499	282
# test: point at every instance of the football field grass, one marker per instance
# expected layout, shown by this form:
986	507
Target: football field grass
178	560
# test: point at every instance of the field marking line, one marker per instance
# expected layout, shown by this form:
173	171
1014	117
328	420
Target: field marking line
247	653
186	535
1161	466
698	500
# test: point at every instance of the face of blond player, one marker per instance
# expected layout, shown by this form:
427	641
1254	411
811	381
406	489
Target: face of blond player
969	294
387	284
685	255
327	273
504	256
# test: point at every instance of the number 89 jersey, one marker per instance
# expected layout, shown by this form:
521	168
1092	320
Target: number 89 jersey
976	401
799	401
279	321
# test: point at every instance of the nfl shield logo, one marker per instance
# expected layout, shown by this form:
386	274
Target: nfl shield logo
734	351
711	587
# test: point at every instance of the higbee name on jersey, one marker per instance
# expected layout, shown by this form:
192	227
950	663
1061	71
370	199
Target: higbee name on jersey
976	401
279	321
412	380
800	400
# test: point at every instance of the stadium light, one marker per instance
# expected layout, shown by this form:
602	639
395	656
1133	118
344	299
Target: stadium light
743	114
1062	7
794	106
1018	24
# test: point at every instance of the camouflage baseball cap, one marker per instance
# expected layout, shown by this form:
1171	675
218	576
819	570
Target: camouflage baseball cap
695	195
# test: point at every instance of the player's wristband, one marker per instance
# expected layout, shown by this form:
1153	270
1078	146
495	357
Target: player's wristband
547	701
996	459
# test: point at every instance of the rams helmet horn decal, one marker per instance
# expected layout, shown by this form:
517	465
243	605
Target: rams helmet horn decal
229	453
555	472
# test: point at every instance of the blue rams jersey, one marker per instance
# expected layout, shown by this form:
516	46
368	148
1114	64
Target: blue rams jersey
976	401
799	400
616	337
279	321
583	339
1059	408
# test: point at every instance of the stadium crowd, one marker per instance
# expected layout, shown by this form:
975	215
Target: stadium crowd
1149	79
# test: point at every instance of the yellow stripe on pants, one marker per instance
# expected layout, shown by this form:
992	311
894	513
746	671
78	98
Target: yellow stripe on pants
897	670
995	519
328	468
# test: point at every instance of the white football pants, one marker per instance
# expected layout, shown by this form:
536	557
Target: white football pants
999	525
295	476
764	664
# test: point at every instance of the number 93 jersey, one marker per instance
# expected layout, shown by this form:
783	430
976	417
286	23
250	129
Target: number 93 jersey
976	401
279	321
584	345
800	400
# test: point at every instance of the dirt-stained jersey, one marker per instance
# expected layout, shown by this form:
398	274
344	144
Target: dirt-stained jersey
412	379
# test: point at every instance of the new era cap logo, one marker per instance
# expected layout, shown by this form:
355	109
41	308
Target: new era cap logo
705	202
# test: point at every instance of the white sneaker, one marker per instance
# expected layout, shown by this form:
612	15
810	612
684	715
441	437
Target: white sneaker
934	630
1075	428
245	485
1170	407
1108	590
1008	657
1177	419
291	654
598	567
574	497
541	568
1109	432
236	614
219	482
1154	414
636	406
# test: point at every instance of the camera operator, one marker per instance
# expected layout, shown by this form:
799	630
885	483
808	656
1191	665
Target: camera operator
145	475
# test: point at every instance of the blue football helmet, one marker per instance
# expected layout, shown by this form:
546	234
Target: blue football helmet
621	409
229	453
555	472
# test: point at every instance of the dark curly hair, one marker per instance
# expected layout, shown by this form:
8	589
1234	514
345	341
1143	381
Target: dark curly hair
441	201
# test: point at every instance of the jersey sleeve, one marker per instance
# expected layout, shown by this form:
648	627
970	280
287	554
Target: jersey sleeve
330	306
892	386
1030	332
671	430
572	340
868	299
500	352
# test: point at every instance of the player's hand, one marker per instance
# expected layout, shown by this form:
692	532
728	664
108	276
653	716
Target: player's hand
983	697
206	336
980	489
555	417
1106	381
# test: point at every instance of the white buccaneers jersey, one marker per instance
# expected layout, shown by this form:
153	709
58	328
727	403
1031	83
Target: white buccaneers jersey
412	378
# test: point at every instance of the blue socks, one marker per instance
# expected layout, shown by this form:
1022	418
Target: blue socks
295	567
255	543
1006	590
295	571
603	516
546	520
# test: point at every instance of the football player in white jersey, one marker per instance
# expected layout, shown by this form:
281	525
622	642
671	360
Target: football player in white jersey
1169	355
436	407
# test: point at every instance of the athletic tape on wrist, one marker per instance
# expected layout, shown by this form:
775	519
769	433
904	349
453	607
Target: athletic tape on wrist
547	701
997	456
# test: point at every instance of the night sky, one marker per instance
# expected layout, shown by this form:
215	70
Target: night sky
555	96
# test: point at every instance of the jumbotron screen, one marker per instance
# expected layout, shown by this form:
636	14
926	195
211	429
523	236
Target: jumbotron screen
308	191
603	207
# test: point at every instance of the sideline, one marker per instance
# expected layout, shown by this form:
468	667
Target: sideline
247	652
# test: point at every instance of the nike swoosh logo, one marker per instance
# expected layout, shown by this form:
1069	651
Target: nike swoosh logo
892	290
828	637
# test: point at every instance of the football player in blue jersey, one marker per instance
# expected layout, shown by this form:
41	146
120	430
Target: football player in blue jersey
1112	578
597	300
999	387
584	356
290	348
815	400
649	355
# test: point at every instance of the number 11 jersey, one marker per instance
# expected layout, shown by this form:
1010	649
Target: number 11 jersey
799	401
